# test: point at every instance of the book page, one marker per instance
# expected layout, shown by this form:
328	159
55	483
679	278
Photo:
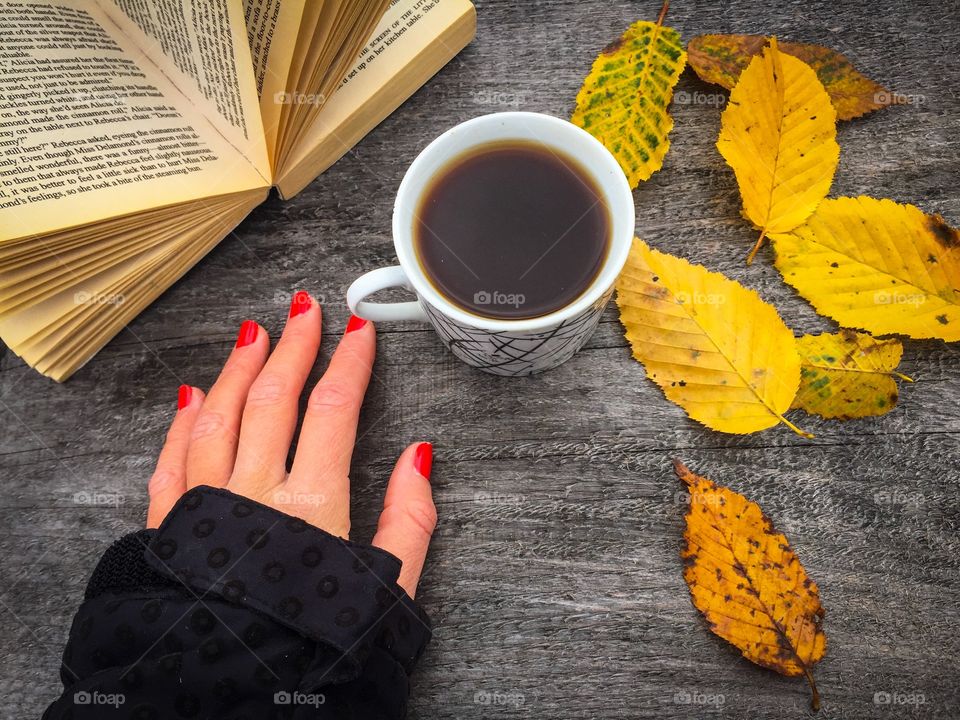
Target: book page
350	40
202	47
318	19
424	19
413	40
65	329
344	27
272	29
91	129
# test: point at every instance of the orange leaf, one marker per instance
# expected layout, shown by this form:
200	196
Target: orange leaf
748	583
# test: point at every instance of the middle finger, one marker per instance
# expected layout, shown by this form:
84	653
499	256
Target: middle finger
270	416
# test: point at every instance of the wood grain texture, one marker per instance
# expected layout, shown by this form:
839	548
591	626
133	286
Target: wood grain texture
555	574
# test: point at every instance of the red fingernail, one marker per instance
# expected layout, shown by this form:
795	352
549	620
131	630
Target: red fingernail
423	459
248	333
355	323
184	396
301	303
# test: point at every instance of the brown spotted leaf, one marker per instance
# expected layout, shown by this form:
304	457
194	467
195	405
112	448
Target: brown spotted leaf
876	265
848	374
748	583
720	59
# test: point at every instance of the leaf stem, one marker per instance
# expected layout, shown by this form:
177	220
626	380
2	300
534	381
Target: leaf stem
753	253
906	378
683	472
798	431
815	694
663	12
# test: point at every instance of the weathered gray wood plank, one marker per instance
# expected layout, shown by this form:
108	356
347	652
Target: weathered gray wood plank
554	576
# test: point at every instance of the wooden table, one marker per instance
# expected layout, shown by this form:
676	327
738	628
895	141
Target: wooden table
554	578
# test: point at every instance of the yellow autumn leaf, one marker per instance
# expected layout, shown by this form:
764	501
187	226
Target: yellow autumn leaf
876	265
779	135
747	581
715	348
848	374
623	101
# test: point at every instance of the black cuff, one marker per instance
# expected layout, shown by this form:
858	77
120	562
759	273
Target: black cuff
333	591
123	568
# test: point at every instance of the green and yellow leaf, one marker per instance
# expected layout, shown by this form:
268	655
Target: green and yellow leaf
720	59
624	100
715	348
876	265
748	583
848	375
779	135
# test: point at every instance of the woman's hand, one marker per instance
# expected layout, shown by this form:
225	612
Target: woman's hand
238	437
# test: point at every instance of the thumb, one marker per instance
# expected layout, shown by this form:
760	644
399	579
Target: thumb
409	515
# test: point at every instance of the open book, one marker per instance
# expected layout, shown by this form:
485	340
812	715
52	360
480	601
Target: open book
136	134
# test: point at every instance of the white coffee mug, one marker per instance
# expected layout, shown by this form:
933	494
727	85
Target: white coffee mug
498	346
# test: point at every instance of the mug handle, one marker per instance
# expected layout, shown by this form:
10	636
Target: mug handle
381	279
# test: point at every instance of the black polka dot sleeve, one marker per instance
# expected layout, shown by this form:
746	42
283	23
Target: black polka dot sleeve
234	610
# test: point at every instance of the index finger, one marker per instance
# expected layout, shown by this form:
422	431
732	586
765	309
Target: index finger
329	428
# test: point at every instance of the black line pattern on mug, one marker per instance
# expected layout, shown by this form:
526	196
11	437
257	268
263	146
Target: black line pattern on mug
518	353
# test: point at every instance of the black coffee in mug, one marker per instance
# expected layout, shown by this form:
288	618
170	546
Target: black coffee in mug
512	230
